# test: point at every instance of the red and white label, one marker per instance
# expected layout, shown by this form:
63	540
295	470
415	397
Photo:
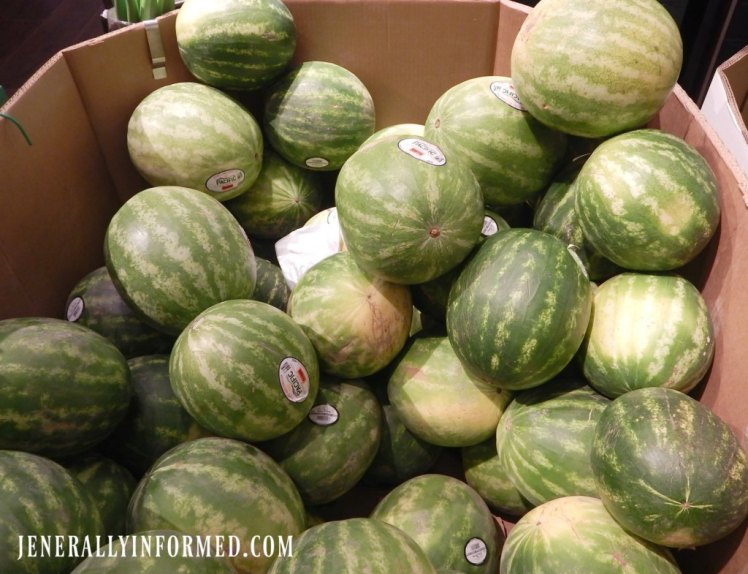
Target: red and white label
75	309
294	379
506	93
225	180
476	551
324	415
422	150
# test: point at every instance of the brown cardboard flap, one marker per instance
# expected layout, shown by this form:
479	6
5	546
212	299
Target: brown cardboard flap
56	195
512	15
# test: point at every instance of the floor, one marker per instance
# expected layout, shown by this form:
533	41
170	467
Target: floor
31	31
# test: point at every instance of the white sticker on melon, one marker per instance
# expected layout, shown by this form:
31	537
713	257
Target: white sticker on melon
324	415
316	162
224	181
294	379
506	93
490	227
476	551
422	150
75	309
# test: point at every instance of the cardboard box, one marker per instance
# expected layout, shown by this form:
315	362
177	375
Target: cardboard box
726	105
58	194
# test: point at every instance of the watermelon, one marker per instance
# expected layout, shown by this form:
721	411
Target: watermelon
414	220
357	322
317	115
156	552
354	545
94	302
282	198
485	473
172	252
244	369
617	64
448	519
218	486
191	135
41	500
438	401
576	534
110	486
518	312
271	286
647	200
556	214
545	437
647	331
668	469
402	130
155	422
64	386
236	44
329	451
482	121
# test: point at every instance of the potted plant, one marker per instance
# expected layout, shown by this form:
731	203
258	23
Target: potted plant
120	13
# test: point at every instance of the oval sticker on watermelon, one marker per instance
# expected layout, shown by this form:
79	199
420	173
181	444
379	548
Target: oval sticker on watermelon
294	379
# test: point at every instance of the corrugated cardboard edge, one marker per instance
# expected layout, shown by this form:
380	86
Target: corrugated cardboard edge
734	72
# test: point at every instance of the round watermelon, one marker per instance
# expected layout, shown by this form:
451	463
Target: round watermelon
244	369
576	534
94	302
401	130
483	122
612	72
518	312
236	44
438	401
38	498
647	331
448	519
192	135
172	252
155	422
282	198
668	469
414	220
354	545
317	115
356	321
647	200
329	451
545	437
271	286
64	387
220	487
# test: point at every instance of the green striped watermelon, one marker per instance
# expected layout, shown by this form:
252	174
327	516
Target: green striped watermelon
484	472
110	486
357	322
191	135
647	331
155	422
647	200
172	252
518	312
545	437
483	122
438	401
235	44
668	469
282	198
64	387
576	534
414	220
155	552
612	72
38	498
271	286
448	519
354	545
330	450
401	130
246	370
220	486
94	302
317	115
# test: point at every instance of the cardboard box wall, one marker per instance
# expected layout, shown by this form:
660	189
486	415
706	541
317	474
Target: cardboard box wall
56	196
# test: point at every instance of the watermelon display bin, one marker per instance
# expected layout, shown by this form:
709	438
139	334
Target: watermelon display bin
59	191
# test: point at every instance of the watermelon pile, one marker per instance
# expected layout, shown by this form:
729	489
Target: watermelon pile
479	360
